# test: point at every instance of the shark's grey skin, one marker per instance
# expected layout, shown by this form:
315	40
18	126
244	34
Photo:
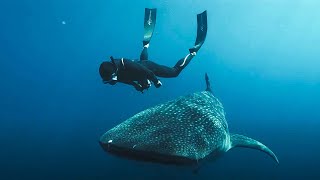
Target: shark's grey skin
186	130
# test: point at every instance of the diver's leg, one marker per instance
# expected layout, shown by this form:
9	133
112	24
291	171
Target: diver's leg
159	70
144	53
183	62
168	72
201	36
164	71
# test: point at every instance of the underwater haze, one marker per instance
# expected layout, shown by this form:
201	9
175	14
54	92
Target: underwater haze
262	57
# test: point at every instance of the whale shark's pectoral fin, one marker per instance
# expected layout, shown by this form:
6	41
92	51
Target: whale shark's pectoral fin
243	141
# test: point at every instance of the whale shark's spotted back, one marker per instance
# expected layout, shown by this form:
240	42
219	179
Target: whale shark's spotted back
181	131
189	127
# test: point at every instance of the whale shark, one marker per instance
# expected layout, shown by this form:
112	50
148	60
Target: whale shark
184	131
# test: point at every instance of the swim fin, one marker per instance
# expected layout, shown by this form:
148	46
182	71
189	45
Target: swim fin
149	24
201	31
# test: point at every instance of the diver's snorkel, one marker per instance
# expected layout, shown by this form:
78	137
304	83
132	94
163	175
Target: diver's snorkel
114	76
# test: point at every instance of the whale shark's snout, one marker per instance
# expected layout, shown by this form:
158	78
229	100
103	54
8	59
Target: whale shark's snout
113	148
134	153
105	145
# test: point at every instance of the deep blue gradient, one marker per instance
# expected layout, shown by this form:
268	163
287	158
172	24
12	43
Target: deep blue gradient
263	59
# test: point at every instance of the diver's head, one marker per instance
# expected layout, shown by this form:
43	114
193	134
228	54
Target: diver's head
107	71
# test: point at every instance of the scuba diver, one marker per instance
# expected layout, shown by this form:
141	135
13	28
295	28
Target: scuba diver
139	73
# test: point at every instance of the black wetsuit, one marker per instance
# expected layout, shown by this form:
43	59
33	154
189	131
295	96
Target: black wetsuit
140	72
137	73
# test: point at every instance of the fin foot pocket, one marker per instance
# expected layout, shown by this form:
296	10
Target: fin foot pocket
202	27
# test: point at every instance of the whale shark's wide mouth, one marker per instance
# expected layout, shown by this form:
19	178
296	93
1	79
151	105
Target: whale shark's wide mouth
147	156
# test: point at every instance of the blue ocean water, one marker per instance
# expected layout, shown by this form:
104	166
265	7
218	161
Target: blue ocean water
262	57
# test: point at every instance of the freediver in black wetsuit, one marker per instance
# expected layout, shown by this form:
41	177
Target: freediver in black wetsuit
140	73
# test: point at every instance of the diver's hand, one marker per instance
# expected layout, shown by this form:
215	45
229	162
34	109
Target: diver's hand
139	88
158	84
146	84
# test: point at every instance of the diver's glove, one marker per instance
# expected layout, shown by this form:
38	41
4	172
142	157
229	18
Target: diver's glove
145	84
158	84
138	87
